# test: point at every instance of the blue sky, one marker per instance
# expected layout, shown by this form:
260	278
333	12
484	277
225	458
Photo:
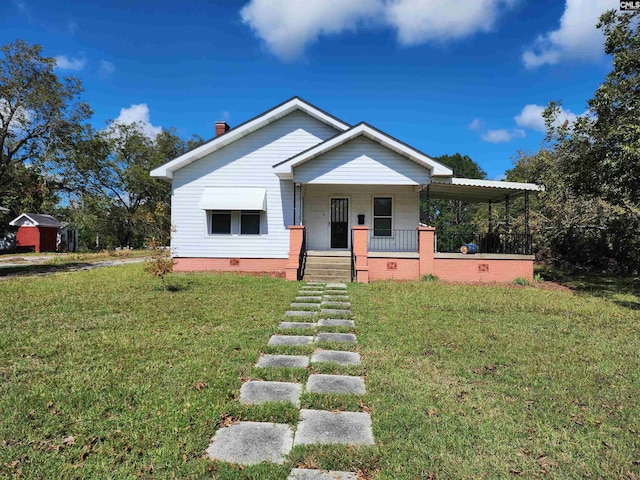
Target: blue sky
467	76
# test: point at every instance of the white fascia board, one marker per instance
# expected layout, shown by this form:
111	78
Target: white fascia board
15	221
435	168
166	171
473	182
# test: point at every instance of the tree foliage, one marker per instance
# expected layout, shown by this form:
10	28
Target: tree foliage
449	216
115	195
39	112
589	216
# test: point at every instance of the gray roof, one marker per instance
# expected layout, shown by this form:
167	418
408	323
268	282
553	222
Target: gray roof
40	220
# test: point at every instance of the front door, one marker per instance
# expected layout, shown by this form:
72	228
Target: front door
339	222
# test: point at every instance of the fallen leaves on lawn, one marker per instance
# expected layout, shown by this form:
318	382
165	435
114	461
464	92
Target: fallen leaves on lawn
199	386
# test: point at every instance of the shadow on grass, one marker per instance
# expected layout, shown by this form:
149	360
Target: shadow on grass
595	284
19	270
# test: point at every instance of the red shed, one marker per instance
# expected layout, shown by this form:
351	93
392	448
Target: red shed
36	232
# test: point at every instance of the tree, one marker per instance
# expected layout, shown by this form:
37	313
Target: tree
601	152
591	210
454	215
40	114
109	170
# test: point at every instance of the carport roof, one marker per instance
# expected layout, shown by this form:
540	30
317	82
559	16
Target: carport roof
478	191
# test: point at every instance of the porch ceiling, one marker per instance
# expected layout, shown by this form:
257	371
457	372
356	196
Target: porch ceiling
478	191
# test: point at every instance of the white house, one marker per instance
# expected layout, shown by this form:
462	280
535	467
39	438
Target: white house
299	192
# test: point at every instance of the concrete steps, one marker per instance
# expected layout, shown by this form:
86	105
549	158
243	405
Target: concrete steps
320	268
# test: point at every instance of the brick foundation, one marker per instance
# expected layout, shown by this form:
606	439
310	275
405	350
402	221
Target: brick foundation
249	265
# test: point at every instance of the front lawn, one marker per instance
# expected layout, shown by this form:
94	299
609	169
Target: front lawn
104	375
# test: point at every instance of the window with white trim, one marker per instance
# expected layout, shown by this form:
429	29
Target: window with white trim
382	216
236	222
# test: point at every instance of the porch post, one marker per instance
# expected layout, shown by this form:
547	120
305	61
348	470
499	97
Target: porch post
527	232
296	234
426	247
361	252
506	213
490	217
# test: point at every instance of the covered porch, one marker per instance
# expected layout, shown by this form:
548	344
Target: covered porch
385	230
360	192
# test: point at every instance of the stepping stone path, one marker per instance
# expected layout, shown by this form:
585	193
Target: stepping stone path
308	474
248	443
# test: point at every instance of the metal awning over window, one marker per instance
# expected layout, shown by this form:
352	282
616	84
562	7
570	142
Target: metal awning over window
233	198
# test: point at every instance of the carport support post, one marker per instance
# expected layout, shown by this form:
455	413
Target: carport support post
506	213
490	217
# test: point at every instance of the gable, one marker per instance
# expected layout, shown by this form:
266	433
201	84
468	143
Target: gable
361	161
295	104
285	169
248	161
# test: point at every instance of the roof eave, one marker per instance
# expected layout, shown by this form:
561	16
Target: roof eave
166	171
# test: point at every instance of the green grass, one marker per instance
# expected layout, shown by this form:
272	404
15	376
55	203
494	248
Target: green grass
463	381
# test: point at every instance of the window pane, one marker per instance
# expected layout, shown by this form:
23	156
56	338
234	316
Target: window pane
382	207
381	227
250	224
221	223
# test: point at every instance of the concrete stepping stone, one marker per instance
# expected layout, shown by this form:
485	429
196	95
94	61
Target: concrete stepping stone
289	340
338	298
336	285
306	298
305	305
323	427
287	325
342	358
250	443
308	474
342	384
315	283
335	311
334	303
334	292
256	392
335	322
336	337
277	361
299	313
315	293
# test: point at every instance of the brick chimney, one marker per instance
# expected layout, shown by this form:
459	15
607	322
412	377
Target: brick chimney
221	127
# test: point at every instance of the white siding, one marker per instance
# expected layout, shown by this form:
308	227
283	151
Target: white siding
245	163
317	217
361	161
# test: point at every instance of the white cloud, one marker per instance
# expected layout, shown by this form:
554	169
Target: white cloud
577	38
476	125
418	20
502	135
138	113
531	117
287	27
68	63
106	68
